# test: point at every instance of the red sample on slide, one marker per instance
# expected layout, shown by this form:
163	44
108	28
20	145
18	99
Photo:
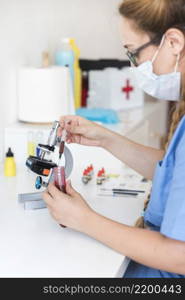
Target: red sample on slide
60	180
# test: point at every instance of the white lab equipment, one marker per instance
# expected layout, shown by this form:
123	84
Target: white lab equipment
44	94
115	89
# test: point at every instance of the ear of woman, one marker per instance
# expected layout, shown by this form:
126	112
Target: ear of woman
175	40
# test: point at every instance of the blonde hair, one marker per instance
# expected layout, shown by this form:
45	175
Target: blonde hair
155	17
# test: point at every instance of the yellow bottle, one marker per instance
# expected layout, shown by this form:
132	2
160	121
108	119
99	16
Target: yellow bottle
9	166
31	146
77	75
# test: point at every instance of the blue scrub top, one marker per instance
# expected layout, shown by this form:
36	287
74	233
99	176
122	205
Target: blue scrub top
166	210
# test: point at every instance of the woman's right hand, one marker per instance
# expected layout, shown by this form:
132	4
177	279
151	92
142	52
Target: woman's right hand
83	132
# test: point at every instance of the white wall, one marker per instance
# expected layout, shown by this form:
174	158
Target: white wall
27	27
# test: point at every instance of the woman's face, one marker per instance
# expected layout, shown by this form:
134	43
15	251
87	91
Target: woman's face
134	38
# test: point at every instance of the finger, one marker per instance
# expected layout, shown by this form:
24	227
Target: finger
74	123
65	119
47	198
62	127
69	135
76	139
53	191
54	215
75	129
62	123
49	207
69	141
70	190
71	138
59	131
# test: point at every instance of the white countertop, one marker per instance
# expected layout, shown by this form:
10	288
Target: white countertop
130	119
33	245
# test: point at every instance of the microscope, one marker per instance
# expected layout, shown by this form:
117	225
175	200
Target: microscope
48	170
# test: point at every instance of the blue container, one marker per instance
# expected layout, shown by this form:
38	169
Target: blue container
65	57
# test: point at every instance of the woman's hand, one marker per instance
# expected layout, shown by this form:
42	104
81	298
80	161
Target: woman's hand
83	132
68	209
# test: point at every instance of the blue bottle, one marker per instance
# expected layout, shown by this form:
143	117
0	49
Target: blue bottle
65	56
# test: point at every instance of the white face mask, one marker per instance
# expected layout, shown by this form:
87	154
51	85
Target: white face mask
162	87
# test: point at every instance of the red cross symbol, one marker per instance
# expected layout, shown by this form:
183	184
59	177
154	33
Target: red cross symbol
127	89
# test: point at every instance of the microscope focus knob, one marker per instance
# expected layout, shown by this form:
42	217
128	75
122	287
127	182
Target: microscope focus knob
38	182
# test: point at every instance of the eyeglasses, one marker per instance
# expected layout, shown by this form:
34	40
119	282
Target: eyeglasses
133	55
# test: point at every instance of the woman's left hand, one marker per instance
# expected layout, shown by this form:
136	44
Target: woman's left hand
68	209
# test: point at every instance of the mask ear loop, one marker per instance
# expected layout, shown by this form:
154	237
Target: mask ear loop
159	48
177	63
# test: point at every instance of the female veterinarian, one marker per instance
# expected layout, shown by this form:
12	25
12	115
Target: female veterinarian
154	39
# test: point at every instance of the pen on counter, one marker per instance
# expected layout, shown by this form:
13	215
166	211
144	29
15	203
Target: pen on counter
123	190
125	193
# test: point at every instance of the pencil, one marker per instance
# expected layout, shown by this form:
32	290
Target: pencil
123	190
